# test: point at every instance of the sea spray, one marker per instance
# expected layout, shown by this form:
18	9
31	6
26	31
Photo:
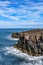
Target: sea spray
33	60
19	53
11	38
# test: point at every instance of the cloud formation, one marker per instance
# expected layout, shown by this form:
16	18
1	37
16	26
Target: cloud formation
25	13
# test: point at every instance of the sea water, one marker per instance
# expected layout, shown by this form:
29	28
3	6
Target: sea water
12	56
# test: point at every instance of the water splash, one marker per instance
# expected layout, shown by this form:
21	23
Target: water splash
19	53
11	38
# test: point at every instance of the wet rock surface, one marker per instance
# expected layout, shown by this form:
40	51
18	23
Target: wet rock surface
30	42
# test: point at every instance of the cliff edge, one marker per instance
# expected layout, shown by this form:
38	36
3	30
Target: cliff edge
30	42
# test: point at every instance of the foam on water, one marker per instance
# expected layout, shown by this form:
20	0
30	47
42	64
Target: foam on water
10	38
9	55
19	53
30	60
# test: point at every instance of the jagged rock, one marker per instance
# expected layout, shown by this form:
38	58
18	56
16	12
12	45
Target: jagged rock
30	42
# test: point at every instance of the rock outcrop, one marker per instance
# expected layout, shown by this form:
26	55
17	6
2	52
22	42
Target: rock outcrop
30	42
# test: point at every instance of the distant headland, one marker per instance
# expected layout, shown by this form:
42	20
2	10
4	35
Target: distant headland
30	42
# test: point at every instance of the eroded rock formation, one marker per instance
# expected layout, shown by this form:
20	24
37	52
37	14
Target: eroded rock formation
30	42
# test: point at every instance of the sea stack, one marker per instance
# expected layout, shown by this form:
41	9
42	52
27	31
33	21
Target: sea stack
30	42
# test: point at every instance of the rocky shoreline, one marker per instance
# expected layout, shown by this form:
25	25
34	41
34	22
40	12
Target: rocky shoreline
30	42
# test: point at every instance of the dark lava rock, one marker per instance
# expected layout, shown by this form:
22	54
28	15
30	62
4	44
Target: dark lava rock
30	42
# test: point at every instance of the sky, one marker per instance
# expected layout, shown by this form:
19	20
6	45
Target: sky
21	13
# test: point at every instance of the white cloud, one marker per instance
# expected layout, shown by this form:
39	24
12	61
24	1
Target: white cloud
6	24
4	3
23	24
30	22
2	13
23	11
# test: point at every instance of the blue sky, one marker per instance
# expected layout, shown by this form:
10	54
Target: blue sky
21	13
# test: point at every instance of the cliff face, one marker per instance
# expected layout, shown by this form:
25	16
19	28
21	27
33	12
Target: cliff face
30	42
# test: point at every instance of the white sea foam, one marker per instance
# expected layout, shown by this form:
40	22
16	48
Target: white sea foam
19	53
11	38
36	60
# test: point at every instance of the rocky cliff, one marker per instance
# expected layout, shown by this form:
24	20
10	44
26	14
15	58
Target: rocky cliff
30	42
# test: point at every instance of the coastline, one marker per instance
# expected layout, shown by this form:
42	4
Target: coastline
30	42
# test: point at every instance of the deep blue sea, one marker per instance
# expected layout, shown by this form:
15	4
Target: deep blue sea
10	55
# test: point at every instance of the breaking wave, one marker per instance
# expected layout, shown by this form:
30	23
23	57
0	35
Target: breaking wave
10	50
10	38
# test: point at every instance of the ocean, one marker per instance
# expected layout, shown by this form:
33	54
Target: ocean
12	56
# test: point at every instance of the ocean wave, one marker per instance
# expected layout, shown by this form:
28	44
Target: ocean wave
19	53
32	60
10	38
1	58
